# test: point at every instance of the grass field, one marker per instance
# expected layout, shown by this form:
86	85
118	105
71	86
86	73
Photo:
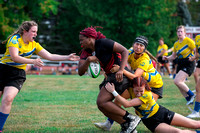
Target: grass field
68	104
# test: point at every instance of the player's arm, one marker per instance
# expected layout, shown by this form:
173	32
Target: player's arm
137	73
128	74
55	57
118	48
14	53
126	103
171	57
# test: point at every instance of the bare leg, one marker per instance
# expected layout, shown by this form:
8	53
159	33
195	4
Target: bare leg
165	128
167	67
108	108
180	82
196	74
7	99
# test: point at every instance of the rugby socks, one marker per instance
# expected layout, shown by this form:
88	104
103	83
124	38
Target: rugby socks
174	75
3	118
125	116
110	120
197	106
190	94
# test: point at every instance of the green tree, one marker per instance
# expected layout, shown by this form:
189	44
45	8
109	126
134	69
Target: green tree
121	20
14	12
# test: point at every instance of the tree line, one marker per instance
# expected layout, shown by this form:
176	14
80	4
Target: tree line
122	20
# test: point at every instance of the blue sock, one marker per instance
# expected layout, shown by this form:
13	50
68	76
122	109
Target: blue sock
197	106
3	118
190	93
111	121
198	131
174	76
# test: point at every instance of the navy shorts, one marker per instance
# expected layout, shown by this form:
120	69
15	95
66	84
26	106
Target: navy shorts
186	66
11	76
162	116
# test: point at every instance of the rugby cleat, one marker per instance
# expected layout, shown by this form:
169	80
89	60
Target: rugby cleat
191	100
130	125
106	126
194	114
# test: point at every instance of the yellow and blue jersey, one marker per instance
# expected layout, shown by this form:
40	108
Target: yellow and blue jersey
185	48
149	106
161	48
197	42
151	75
25	50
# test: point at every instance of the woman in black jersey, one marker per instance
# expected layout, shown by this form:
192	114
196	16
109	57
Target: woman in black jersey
96	47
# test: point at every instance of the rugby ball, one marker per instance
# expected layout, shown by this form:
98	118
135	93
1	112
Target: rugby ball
94	69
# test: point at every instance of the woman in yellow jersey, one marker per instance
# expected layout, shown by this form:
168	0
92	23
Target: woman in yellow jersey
141	63
195	112
183	49
162	51
155	117
19	48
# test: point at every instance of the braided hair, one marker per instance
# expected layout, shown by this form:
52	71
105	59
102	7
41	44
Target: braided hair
91	32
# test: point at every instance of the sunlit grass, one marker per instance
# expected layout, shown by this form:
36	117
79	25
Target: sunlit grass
68	104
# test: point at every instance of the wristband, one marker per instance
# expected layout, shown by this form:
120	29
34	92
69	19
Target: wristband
115	93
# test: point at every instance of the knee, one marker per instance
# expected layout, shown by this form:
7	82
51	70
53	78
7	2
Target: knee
176	81
7	100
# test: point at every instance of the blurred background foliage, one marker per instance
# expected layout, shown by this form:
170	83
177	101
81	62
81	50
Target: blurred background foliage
60	21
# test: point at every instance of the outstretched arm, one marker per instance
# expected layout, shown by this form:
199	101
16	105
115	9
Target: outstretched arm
55	57
134	102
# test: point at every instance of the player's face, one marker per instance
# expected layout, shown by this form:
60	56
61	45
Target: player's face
161	42
31	34
138	48
181	33
84	41
139	91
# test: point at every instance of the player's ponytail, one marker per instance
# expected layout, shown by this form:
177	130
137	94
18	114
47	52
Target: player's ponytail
151	56
25	26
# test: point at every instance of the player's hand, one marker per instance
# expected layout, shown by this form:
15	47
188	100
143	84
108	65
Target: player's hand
192	58
164	58
115	68
73	57
119	76
38	62
92	59
110	87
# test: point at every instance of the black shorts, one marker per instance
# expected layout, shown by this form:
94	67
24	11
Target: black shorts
186	66
162	116
175	62
11	76
160	60
120	87
198	64
158	91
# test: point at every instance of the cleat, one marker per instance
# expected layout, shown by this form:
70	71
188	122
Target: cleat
106	126
194	114
170	76
130	125
191	100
